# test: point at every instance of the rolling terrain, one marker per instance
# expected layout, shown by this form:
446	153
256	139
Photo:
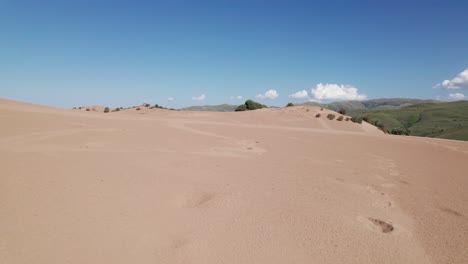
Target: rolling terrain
439	120
266	186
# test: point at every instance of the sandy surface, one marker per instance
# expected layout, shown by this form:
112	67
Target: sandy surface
267	186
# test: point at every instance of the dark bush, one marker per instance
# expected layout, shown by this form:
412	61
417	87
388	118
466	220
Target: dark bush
106	110
356	120
138	109
117	109
378	123
241	108
347	119
331	116
250	105
146	105
399	131
340	118
342	111
289	104
318	115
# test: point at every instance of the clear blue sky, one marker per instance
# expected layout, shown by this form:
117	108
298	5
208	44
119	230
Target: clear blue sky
122	53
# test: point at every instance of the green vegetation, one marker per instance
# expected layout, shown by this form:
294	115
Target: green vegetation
374	104
250	105
340	118
289	105
347	119
212	108
331	116
342	111
106	110
439	120
318	115
356	120
241	108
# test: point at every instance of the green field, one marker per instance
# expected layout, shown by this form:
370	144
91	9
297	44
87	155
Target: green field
439	120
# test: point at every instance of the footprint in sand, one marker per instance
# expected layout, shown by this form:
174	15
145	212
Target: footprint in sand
178	243
384	226
194	199
382	204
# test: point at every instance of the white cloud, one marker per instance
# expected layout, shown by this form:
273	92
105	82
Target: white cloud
239	97
459	82
299	95
456	96
336	92
171	99
199	98
270	94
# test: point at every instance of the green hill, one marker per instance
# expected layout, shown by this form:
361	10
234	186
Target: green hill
440	120
382	103
212	108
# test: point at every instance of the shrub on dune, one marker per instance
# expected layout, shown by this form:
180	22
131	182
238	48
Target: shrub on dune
318	115
241	108
250	105
106	110
340	118
331	116
356	120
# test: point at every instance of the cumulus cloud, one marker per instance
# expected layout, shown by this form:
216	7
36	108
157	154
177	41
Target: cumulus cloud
239	97
171	99
456	96
299	95
199	98
459	82
270	94
336	92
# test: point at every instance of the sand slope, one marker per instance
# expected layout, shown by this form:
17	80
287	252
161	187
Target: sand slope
266	186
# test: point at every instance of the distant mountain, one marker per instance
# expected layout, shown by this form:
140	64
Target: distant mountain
212	108
440	120
382	103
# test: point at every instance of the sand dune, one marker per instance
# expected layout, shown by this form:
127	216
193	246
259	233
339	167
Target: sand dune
264	186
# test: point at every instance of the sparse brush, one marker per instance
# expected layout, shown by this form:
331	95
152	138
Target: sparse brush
356	120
